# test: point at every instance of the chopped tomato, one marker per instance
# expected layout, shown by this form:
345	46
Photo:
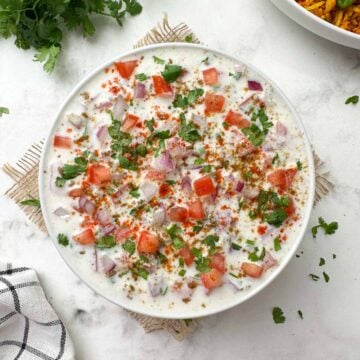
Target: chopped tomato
218	262
98	174
210	76
147	243
74	193
153	174
187	255
62	142
282	178
261	229
165	189
211	279
252	270
204	186
85	238
129	122
196	210
214	103
121	234
234	118
161	87
126	68
178	214
290	209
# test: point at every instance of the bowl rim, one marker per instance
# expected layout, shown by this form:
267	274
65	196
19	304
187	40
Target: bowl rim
171	314
321	21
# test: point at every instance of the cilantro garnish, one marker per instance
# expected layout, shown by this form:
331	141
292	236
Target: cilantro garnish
184	101
299	165
254	255
125	163
276	217
211	241
182	272
188	131
237	75
60	182
300	314
106	242
326	277
141	77
163	135
352	100
174	231
150	124
329	229
63	240
31	202
71	171
157	60
278	315
235	246
171	72
259	128
198	227
206	168
129	246
141	150
277	244
314	277
250	242
135	192
322	262
4	110
189	38
275	159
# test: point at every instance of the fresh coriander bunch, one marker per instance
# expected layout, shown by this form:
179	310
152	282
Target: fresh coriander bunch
41	24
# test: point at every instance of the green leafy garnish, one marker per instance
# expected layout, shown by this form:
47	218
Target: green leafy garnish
182	272
60	182
206	169
254	256
235	246
202	264
141	150
141	77
163	135
300	314
3	110
211	241
275	159
250	242
125	163
277	244
184	101
259	128
189	38
326	277
198	227
171	72
150	124
237	75
314	277
129	246
352	100
174	231
276	217
71	171
42	24
157	60
31	202
143	273
135	192
171	182
188	131
329	229
106	242
63	240
322	262
299	165
278	315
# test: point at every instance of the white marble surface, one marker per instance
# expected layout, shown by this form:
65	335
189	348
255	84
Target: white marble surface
318	76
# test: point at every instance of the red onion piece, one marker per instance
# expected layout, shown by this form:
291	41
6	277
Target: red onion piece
107	264
108	229
176	147
200	121
86	205
254	85
103	105
76	120
281	129
186	184
159	216
103	217
102	133
140	91
149	189
155	284
239	186
61	212
82	201
119	108
163	163
269	261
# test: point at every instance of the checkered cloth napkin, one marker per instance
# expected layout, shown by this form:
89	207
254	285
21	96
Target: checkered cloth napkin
29	326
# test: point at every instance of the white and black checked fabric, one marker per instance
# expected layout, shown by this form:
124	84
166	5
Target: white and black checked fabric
29	326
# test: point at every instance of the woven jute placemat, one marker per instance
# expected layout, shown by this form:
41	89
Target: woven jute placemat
25	176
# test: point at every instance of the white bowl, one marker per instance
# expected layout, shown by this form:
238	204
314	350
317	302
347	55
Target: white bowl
317	25
170	313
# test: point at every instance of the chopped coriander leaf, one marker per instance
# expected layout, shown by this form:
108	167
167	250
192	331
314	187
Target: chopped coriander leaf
254	255
207	168
135	193
157	60
199	161
182	272
235	246
202	264
171	182
143	273
164	291
206	60
314	277
31	202
144	259
165	134
129	246
322	262
181	262
256	133
211	240
329	229
326	277
106	242
198	227
150	124
178	243
241	204
276	217
188	131
237	75
196	252
60	182
141	77
250	242
352	100
63	240
300	314
189	38
278	315
184	101
276	159
125	163
252	214
194	95
171	72
277	244
4	110
299	165
233	275
141	150
123	273
72	171
334	256
173	231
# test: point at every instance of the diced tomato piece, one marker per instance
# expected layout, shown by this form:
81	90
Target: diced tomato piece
214	103
75	193
153	174
85	238
282	178
196	210
161	87
129	122
126	68
98	174
211	279
261	229
178	214
218	262
62	142
290	209
234	118
252	270
204	186
147	243
211	76
121	233
187	255
165	189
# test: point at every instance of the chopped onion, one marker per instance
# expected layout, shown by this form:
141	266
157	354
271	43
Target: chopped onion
86	205
75	120
103	217
119	108
200	121
149	190
155	284
159	216
103	105
140	91
163	163
176	147
235	283
107	264
281	129
61	212
251	193
254	85
102	133
108	229
239	186
186	184
269	261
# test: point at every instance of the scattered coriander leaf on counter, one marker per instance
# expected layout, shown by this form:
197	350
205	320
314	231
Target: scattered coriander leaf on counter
4	110
300	313
206	60
314	277
299	165
326	277
189	38
63	240
31	202
352	100
322	262
334	256
278	315
329	229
